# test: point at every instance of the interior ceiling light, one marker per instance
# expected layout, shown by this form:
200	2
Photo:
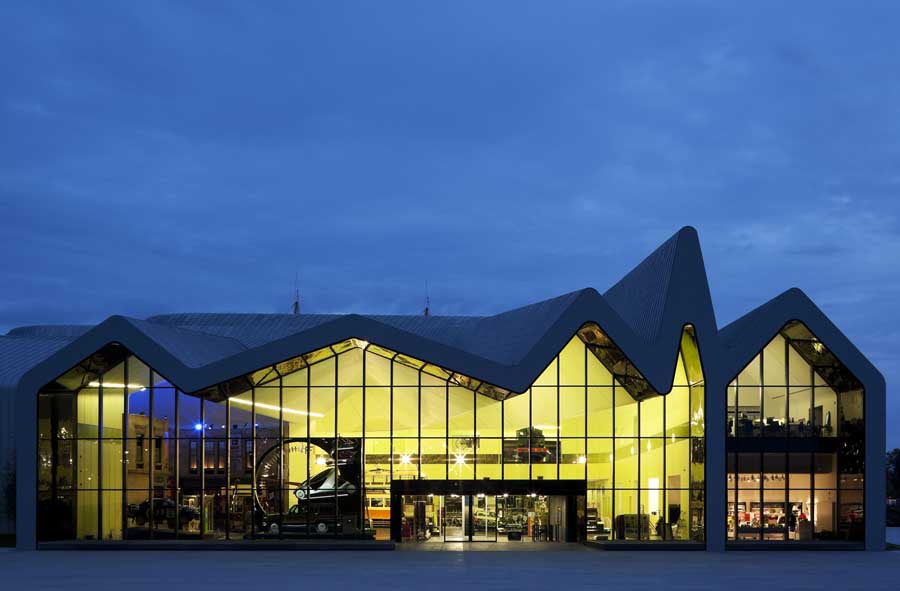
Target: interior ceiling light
285	410
96	384
404	459
460	459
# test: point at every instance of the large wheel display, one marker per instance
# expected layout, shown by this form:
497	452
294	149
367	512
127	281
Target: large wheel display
333	491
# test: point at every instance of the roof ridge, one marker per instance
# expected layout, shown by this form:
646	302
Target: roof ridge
640	296
185	330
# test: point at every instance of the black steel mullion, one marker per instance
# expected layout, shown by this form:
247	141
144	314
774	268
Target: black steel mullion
812	465
475	432
337	450
202	455
308	432
639	482
228	468
100	458
530	428
613	488
502	439
362	452
419	428
125	412
391	425
762	413
787	434
177	461
446	434
558	424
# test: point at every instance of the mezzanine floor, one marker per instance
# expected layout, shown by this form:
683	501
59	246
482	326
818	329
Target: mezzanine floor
568	567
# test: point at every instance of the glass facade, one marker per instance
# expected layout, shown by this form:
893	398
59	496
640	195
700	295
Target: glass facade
795	442
310	446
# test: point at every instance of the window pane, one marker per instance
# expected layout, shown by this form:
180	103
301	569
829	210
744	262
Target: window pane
626	414
652	417
462	412
434	411
600	411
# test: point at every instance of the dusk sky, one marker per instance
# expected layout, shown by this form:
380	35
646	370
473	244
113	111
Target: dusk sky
157	158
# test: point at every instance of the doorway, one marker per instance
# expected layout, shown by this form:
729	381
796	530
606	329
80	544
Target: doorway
488	510
485	518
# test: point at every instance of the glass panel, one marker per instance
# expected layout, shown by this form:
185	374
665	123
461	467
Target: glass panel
572	459
488	416
321	412
350	368
626	420
350	411
488	459
600	412
405	459
406	411
599	463
599	514
748	421
774	370
548	376
629	524
626	464
824	413
378	463
378	412
462	412
434	411
774	420
434	459
678	412
114	403
543	410
652	417
678	462
698	413
824	471
750	375
87	411
571	363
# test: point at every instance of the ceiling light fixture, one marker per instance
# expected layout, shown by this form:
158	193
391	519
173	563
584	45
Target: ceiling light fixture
285	410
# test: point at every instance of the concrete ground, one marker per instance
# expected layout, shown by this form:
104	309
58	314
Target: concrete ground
568	567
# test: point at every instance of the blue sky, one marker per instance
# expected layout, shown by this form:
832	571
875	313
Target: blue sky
160	157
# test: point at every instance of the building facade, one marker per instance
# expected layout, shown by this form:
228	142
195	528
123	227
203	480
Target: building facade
616	418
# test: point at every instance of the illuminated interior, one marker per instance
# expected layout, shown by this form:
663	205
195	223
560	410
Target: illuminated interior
795	442
310	446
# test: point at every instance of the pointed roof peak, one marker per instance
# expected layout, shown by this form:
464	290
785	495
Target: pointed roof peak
640	297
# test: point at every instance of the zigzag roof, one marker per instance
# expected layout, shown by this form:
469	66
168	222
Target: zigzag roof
643	314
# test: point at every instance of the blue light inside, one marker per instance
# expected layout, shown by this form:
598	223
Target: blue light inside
198	426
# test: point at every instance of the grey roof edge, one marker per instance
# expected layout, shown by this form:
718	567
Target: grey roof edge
743	338
687	301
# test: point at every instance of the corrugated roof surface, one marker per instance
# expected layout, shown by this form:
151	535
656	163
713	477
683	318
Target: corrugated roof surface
191	347
640	296
18	354
251	330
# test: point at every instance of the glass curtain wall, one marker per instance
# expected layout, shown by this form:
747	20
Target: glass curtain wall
795	444
309	446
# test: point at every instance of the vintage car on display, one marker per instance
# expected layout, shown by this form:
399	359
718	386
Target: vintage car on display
164	511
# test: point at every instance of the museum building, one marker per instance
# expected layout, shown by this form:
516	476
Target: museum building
622	418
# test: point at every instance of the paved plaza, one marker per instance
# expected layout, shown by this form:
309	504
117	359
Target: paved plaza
566	568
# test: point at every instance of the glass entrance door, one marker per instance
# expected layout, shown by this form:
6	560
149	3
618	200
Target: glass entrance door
455	518
484	518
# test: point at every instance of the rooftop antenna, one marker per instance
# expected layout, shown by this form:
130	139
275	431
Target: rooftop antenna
427	301
296	305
